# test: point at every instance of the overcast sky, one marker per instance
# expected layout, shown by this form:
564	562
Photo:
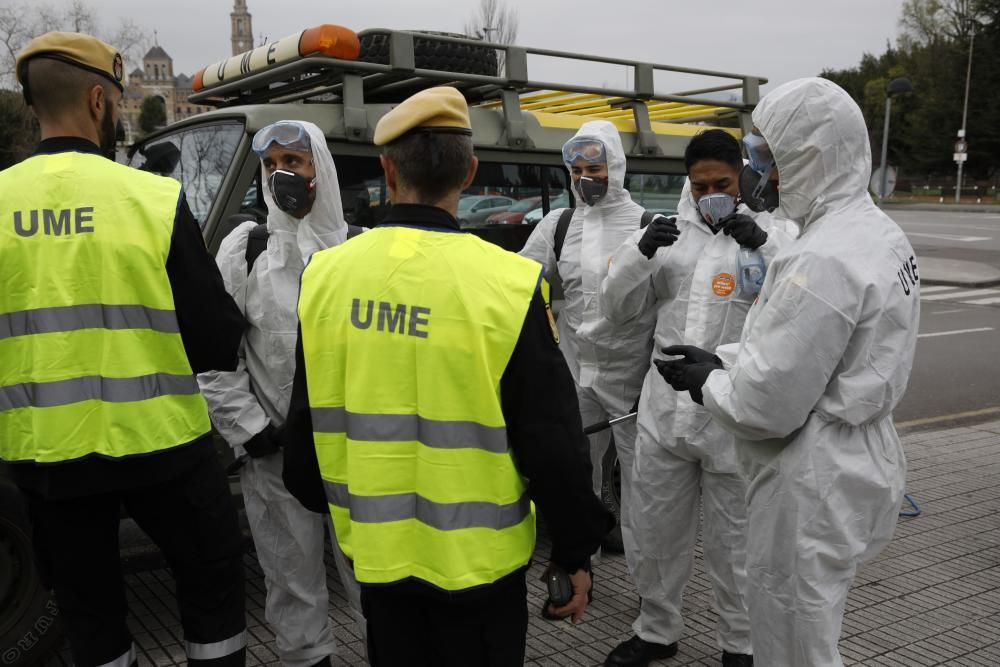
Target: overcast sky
777	39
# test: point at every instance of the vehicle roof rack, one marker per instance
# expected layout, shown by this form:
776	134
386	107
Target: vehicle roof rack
317	78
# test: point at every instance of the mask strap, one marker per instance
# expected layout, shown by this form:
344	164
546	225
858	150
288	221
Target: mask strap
762	183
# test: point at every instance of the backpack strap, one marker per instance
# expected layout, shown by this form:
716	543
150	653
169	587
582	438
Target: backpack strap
562	226
257	241
647	217
256	244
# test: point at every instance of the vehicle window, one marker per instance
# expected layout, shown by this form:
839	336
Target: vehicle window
657	193
362	189
512	192
198	157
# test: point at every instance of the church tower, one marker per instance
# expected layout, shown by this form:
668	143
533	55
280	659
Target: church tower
242	28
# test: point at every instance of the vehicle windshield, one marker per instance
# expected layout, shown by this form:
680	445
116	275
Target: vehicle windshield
198	157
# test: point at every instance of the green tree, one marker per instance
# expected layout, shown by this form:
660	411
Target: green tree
152	114
933	52
18	129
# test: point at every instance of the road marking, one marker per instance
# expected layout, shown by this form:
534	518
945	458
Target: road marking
985	302
952	237
975	293
953	333
947	418
936	288
948	312
950	225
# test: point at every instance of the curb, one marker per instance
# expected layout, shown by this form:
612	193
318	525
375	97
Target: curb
960	283
958	208
944	422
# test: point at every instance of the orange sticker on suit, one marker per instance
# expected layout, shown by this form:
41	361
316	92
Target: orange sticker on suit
723	284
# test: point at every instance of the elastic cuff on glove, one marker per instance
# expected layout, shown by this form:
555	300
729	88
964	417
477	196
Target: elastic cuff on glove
262	444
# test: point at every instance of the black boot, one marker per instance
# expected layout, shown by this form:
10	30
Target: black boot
736	659
637	652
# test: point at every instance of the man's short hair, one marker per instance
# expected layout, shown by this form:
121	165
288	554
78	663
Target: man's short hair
432	164
714	145
58	88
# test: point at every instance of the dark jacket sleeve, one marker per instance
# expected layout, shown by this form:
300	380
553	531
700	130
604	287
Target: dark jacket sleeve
546	435
301	467
211	324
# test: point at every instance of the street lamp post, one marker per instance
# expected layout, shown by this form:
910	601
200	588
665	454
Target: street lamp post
895	87
965	110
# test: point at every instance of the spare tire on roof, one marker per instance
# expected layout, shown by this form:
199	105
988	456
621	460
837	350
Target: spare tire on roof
432	53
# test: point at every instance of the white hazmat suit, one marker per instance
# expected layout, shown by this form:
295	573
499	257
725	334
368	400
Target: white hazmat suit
824	358
682	455
289	539
607	362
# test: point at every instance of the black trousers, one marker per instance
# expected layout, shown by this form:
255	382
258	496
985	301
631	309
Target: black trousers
412	625
192	519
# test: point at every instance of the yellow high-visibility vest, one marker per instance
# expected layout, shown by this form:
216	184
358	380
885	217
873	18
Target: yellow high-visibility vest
406	334
91	358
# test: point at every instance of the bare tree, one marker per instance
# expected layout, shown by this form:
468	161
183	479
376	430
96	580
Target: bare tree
495	22
931	21
20	22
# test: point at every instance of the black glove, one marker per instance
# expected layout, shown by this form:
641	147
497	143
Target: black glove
264	443
660	233
691	372
744	230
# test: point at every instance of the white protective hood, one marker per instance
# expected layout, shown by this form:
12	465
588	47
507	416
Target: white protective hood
324	226
606	133
820	143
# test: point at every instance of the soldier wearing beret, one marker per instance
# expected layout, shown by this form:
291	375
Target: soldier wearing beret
110	305
431	406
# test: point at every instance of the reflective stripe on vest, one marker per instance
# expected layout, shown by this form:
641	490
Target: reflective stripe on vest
91	357
406	334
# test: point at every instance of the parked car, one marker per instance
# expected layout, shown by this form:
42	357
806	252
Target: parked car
515	214
474	209
535	215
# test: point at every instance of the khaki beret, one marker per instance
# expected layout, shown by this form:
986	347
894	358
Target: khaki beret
438	109
76	49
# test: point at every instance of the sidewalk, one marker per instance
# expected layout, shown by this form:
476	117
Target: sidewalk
931	598
957	272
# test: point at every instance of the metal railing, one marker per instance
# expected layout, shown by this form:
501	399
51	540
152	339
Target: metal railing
353	82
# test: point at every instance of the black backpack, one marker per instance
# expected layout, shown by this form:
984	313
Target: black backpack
567	215
257	241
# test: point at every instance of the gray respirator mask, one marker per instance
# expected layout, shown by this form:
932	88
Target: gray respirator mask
290	191
716	207
757	191
591	190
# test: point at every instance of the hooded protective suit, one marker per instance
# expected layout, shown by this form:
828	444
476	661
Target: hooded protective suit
289	539
824	358
681	453
607	361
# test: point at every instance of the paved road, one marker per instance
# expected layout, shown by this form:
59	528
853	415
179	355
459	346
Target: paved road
958	355
973	237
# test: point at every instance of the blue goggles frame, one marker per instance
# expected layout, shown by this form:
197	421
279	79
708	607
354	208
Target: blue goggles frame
284	133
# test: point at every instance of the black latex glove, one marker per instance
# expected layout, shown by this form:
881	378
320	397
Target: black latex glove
690	373
660	233
264	443
744	230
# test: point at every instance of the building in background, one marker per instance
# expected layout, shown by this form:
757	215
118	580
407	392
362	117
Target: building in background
156	79
242	27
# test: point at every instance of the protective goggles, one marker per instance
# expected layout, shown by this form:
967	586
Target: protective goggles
758	153
592	152
287	135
